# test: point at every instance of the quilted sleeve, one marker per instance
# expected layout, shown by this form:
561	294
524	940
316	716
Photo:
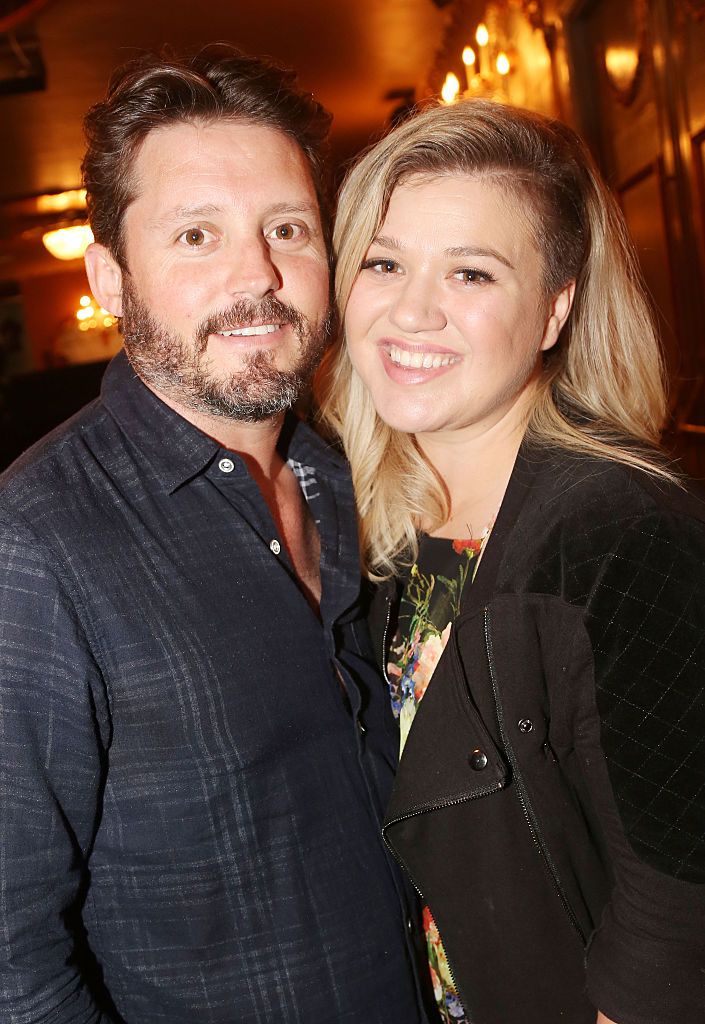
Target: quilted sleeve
646	621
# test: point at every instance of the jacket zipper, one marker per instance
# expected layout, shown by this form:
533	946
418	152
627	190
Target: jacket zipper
435	807
522	793
384	642
412	814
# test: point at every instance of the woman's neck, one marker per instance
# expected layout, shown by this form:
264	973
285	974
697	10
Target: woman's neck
476	471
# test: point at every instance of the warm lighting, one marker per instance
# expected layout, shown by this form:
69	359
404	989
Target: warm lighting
59	202
89	313
451	88
502	64
68	243
468	56
482	36
621	63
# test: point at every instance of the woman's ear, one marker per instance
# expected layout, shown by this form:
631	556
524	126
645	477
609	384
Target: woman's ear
104	277
558	310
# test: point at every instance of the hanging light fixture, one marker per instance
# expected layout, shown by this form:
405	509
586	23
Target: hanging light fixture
68	243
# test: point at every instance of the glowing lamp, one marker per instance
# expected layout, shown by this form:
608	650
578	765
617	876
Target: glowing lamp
451	88
502	64
68	243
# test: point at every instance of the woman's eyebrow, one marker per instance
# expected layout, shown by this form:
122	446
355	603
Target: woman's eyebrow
457	252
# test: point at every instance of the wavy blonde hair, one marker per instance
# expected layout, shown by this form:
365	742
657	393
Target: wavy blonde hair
601	391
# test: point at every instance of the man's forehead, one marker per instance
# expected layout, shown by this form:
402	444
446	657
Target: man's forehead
233	139
208	169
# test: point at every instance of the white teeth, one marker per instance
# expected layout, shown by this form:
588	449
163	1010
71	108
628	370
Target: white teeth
420	360
248	332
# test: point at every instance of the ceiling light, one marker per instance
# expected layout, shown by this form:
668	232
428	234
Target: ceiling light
68	243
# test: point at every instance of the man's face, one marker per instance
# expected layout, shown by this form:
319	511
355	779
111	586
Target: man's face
225	305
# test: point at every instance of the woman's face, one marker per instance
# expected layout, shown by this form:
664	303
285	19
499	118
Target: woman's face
447	318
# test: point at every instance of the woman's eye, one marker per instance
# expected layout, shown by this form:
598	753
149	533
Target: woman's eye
286	232
468	276
194	237
381	266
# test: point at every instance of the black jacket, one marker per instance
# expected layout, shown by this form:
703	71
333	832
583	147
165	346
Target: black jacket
550	803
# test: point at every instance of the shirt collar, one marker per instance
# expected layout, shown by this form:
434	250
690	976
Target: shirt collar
179	450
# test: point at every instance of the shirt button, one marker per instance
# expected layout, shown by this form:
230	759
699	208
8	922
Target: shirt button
478	760
525	725
226	465
275	547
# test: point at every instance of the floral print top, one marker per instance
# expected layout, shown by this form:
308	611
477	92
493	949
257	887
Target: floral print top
429	604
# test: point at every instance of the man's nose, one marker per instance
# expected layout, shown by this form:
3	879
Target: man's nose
250	271
417	307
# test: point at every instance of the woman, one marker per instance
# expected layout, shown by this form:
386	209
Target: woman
499	394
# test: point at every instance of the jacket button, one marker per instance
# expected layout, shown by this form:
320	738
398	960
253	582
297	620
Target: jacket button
525	725
478	760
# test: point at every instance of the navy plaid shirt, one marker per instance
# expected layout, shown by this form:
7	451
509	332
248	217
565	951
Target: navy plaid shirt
193	766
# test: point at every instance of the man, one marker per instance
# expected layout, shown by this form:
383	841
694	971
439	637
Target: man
194	752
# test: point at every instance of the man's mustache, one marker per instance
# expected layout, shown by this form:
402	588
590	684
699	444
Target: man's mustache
243	313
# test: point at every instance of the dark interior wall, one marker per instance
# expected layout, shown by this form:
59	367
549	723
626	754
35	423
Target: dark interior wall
48	301
649	137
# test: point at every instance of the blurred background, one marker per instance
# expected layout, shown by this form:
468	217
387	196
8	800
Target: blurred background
628	75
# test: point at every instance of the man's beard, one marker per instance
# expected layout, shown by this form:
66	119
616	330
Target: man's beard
180	369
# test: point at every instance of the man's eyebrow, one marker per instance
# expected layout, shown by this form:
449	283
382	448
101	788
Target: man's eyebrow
177	214
186	212
278	208
458	252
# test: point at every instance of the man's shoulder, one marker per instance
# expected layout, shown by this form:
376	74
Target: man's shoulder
52	471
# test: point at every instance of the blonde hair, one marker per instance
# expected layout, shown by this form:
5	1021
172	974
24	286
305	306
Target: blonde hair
601	391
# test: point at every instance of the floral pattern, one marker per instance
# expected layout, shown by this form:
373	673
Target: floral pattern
429	605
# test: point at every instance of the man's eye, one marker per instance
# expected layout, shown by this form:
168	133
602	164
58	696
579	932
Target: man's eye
286	232
194	237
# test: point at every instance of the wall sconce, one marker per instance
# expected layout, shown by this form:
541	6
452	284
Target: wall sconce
450	89
624	66
486	67
68	243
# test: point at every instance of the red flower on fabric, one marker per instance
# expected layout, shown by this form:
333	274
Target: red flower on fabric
467	545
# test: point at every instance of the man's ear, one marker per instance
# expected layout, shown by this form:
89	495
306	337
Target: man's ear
104	277
558	310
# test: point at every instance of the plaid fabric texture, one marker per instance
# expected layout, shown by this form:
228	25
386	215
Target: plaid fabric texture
190	809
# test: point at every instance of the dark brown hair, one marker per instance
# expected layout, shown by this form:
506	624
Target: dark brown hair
157	90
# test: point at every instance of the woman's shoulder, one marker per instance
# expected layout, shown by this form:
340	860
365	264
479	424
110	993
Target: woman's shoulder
568	483
582	514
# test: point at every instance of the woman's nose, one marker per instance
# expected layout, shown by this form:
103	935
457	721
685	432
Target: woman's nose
417	308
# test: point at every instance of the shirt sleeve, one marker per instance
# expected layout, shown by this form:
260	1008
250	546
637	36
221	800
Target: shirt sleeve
646	620
53	733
